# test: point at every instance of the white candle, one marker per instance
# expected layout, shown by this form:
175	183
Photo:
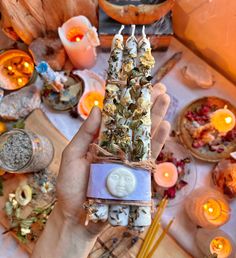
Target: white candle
223	120
215	242
166	174
80	40
207	208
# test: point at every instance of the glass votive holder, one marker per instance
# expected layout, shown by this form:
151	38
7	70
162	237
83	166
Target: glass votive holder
207	208
215	241
23	151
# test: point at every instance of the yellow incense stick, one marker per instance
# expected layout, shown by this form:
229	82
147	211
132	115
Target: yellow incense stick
151	230
151	240
163	234
155	229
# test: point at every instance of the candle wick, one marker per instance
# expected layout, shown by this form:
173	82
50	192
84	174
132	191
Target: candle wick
143	32
133	30
121	28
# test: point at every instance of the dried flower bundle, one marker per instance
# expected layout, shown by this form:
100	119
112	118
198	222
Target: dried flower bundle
126	120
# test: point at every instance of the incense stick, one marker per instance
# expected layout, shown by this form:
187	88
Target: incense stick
152	229
161	237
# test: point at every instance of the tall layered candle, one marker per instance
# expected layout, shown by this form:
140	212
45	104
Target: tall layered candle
80	40
207	208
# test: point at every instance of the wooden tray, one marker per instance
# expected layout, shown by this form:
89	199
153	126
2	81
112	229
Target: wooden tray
187	140
39	123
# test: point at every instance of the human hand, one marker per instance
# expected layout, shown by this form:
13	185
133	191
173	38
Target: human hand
65	234
74	171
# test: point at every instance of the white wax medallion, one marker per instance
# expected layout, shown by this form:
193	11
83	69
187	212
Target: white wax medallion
121	182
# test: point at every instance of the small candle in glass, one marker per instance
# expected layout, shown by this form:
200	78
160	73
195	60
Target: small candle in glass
16	69
215	242
212	209
223	120
166	174
207	208
221	246
24	151
88	101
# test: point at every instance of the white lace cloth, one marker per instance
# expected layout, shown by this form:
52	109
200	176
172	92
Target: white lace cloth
182	229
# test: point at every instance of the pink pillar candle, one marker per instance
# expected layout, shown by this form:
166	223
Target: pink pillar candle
166	174
80	40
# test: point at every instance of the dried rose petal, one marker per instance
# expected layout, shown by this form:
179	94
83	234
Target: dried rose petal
197	144
181	184
170	192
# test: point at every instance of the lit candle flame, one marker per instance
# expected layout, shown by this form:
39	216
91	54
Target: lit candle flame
166	174
207	208
77	39
9	68
96	103
20	81
228	119
26	64
210	210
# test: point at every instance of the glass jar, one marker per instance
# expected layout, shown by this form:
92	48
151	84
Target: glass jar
24	151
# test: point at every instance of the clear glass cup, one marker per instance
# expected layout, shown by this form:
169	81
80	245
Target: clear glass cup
39	151
207	208
215	241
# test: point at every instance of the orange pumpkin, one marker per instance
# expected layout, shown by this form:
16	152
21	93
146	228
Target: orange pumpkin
141	14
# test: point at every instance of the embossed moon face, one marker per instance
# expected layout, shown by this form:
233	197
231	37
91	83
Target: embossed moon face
121	182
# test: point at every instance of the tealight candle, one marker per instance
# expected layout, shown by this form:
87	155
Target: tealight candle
16	69
215	242
223	120
89	100
207	208
221	246
80	40
166	174
212	209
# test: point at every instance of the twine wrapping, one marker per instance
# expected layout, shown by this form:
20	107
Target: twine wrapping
98	154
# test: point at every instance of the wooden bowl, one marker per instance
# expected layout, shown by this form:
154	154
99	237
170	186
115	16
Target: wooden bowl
203	153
